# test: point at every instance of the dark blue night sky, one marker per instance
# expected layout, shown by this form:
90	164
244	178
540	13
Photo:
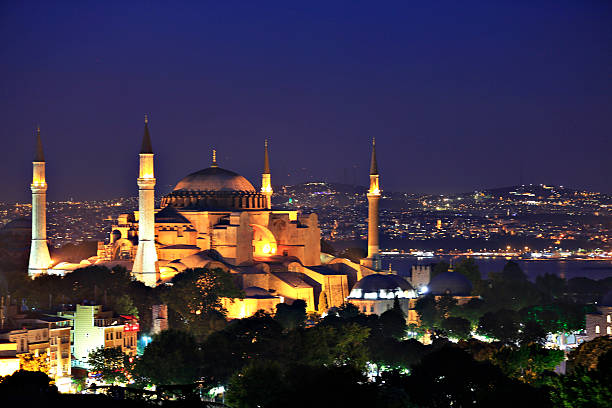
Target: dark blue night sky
459	94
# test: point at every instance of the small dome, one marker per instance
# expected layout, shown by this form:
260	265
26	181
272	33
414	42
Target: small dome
382	286
606	300
451	283
255	292
214	179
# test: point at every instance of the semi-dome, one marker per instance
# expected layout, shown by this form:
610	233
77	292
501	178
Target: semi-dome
214	179
450	283
382	286
606	300
216	189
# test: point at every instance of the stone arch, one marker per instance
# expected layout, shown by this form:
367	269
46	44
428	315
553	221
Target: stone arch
264	242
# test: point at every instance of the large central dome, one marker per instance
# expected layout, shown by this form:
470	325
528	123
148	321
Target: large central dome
214	179
216	189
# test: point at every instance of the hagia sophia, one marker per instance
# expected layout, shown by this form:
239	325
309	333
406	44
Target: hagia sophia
215	218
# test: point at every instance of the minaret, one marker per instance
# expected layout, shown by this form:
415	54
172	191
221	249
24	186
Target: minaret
145	264
373	259
40	260
266	183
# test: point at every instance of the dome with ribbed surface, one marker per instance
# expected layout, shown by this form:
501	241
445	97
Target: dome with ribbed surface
214	189
214	179
450	283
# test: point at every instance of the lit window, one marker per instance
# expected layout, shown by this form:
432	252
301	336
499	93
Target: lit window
609	318
608	330
597	329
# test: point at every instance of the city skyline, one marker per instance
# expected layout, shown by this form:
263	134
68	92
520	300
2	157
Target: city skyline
473	97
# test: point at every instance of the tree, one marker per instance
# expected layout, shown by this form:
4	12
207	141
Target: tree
456	327
512	271
583	387
502	325
27	385
111	363
195	298
427	311
268	384
225	352
256	385
450	377
552	286
469	268
439	267
528	362
171	358
587	355
33	362
393	323
291	316
124	305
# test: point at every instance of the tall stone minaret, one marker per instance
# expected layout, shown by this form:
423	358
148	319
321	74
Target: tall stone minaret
145	264
373	259
40	260
266	183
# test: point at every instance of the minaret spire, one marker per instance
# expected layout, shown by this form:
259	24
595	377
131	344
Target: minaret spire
266	158
40	260
373	259
146	148
145	264
266	182
373	163
39	156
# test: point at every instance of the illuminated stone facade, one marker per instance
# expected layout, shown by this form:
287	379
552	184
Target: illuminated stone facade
215	218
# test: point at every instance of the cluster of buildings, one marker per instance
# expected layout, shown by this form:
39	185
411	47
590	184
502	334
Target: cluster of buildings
215	218
57	343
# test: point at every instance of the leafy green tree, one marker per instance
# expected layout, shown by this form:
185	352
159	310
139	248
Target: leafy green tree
583	387
451	377
552	286
393	323
456	327
511	292
469	268
268	384
502	325
172	357
587	355
528	362
348	311
256	385
471	311
291	316
111	363
27	385
512	271
226	351
428	313
439	267
124	305
195	298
